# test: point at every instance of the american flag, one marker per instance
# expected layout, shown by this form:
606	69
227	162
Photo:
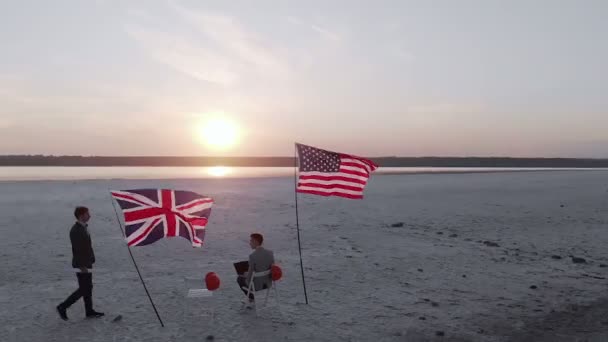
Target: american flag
151	214
328	173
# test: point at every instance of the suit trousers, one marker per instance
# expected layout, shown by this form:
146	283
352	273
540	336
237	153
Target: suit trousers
85	290
244	285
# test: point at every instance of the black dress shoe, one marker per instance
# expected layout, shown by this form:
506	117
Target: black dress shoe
62	312
95	314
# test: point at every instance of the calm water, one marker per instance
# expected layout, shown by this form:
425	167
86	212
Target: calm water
72	173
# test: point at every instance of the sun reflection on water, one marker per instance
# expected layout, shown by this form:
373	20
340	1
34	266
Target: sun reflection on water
219	171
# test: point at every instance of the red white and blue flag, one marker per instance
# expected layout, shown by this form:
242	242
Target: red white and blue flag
152	214
327	173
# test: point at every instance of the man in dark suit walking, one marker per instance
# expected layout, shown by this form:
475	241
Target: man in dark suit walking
83	259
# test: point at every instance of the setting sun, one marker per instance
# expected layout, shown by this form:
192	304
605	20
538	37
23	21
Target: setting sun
219	133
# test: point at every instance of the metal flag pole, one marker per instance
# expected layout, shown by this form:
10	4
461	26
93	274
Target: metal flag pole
134	263
295	175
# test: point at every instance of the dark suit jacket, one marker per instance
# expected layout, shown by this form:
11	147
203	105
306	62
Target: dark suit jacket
82	250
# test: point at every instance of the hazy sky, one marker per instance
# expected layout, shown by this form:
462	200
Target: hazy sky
519	78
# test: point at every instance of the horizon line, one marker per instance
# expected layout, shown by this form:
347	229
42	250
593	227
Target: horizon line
286	157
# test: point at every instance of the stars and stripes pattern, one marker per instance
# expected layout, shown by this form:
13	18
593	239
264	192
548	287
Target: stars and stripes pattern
327	173
152	214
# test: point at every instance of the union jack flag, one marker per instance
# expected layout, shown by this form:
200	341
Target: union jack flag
151	214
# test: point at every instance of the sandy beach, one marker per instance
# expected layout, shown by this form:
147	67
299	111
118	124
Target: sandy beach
444	257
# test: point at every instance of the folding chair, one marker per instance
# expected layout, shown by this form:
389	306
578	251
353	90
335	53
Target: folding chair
195	292
251	290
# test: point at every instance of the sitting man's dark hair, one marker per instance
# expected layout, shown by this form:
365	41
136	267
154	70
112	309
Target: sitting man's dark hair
79	211
258	237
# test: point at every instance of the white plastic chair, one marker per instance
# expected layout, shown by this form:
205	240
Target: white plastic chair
251	289
195	293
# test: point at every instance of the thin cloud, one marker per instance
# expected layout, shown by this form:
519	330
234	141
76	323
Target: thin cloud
445	109
293	20
236	40
325	33
403	53
182	55
5	123
222	51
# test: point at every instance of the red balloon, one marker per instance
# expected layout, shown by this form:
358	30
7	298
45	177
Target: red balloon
276	272
209	275
212	281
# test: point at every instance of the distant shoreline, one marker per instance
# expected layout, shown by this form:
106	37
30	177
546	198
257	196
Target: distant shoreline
170	175
108	161
485	170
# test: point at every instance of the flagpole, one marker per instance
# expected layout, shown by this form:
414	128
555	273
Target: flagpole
134	263
295	175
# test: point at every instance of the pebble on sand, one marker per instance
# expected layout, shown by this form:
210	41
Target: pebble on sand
397	225
578	260
533	287
556	257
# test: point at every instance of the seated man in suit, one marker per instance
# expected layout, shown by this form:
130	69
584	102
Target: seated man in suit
259	261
